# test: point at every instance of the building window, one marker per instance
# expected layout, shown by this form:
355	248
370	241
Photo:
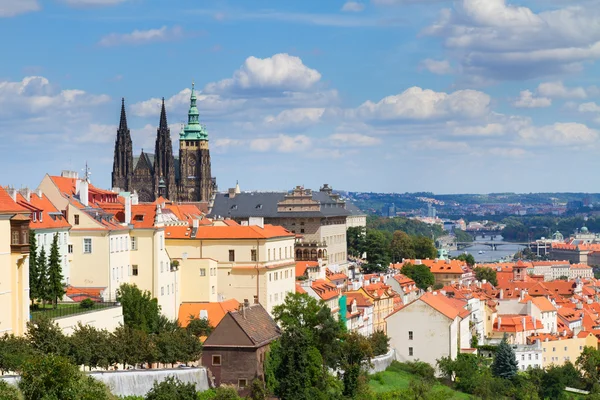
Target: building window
76	218
269	254
87	245
410	351
302	230
242	383
133	243
212	290
522	357
280	253
231	255
202	271
162	290
70	249
134	270
15	237
161	266
530	357
253	255
410	335
216	360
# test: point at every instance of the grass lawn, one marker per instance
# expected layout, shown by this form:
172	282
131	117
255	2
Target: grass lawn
63	310
388	381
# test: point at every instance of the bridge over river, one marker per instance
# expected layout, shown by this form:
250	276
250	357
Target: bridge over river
492	244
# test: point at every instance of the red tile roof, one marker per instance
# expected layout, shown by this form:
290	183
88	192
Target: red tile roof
8	205
325	290
302	266
228	232
51	217
514	323
215	310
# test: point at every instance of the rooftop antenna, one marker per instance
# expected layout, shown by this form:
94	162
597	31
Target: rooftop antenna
87	172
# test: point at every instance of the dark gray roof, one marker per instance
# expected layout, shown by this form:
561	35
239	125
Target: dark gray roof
257	204
353	209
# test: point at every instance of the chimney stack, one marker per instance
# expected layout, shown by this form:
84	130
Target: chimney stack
524	323
84	192
12	192
499	322
255	299
128	209
26	193
501	294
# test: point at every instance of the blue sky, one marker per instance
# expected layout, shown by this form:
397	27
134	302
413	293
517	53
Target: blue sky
380	95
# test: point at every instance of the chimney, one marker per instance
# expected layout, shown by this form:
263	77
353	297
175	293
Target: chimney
195	223
499	322
246	303
128	209
523	320
231	193
12	192
26	193
579	306
134	199
39	193
258	221
501	294
84	192
255	299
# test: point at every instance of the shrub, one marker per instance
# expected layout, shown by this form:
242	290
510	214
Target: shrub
226	392
87	303
207	394
9	392
172	388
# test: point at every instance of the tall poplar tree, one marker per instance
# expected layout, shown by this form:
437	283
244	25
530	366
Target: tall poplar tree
55	277
42	275
33	269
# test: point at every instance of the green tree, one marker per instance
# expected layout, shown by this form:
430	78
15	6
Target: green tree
14	351
226	392
199	326
140	310
424	247
258	390
589	362
355	240
380	343
402	247
466	257
43	285
505	363
33	269
46	337
356	353
421	274
92	347
170	389
553	384
486	273
133	346
462	236
55	278
377	248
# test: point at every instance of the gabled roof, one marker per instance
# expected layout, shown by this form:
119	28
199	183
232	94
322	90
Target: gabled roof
8	205
325	290
51	217
215	310
516	323
437	266
361	299
302	266
227	232
442	304
543	304
255	323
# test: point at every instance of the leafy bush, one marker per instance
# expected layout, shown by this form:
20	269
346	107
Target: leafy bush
172	388
9	392
207	394
226	392
419	368
87	303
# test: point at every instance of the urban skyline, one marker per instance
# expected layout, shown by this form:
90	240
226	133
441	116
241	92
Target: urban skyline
382	96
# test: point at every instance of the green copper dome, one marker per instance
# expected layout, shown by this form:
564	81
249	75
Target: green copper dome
193	130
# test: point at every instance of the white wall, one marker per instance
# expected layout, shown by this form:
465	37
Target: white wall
106	318
44	239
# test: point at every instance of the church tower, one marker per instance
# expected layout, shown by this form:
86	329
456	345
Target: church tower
196	183
164	162
123	161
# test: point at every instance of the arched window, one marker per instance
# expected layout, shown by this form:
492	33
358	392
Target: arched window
298	255
313	255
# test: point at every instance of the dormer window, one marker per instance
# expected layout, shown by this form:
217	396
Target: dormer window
34	216
41	216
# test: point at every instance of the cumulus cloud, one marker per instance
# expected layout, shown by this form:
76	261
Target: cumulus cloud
138	37
441	67
353	6
280	72
562	134
528	100
498	40
353	139
424	104
11	8
493	129
590	107
296	118
558	90
281	143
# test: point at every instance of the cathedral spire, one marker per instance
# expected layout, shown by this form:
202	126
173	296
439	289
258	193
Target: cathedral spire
193	130
163	116
123	122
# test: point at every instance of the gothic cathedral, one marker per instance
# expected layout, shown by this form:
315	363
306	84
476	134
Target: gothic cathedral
184	179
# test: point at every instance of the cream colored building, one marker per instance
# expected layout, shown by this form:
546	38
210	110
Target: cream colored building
232	261
428	329
557	349
14	265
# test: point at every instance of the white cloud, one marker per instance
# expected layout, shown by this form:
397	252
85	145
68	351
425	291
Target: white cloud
353	6
281	143
560	134
438	67
505	152
497	40
493	129
528	100
558	90
424	104
142	36
353	139
280	72
11	8
296	118
440	145
589	107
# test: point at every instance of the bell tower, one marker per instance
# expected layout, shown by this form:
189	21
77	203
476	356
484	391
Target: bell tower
196	182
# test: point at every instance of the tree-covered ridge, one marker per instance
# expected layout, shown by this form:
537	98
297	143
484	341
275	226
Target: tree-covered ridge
409	226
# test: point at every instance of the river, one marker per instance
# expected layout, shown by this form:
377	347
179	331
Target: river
502	251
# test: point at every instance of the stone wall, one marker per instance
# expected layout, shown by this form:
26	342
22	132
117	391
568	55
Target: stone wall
106	318
139	382
380	363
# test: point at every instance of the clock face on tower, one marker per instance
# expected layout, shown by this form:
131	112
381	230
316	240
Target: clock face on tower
192	161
